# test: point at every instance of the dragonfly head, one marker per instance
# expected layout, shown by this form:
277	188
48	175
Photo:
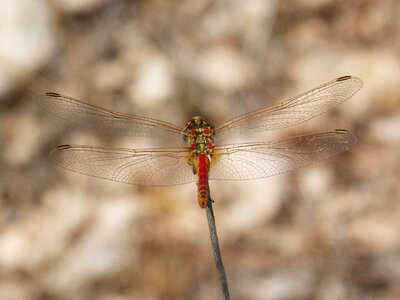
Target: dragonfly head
198	129
198	121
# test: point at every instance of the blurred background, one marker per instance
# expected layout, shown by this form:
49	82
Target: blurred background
326	231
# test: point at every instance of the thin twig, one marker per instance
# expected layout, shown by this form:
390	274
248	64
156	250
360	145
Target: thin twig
216	251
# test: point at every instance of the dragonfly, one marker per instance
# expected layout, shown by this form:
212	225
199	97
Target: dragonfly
203	151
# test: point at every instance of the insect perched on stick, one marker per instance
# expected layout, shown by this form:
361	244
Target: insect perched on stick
202	151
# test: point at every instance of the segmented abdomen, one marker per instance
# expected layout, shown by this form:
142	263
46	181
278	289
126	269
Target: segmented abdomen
202	190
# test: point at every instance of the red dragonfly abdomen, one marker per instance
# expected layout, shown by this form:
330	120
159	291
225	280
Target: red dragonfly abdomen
202	189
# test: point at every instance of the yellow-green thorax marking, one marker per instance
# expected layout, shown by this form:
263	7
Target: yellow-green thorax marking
198	135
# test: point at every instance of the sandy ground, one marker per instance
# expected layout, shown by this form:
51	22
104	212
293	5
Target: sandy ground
326	231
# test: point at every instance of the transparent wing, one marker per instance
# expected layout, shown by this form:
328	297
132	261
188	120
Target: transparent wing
106	120
259	160
150	167
293	111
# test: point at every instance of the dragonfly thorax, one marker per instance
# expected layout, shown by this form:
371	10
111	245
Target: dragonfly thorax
198	135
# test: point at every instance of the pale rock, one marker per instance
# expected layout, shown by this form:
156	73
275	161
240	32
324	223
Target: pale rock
103	249
332	289
43	235
253	21
14	245
110	75
154	83
314	182
281	284
27	39
24	141
252	18
78	6
386	130
16	290
255	202
376	234
223	68
314	4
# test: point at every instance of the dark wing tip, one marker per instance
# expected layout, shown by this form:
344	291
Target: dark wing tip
353	85
63	147
52	94
56	153
340	130
343	78
351	137
353	78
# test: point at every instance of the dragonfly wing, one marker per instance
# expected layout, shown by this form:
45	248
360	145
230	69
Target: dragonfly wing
108	121
293	111
259	160
149	167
